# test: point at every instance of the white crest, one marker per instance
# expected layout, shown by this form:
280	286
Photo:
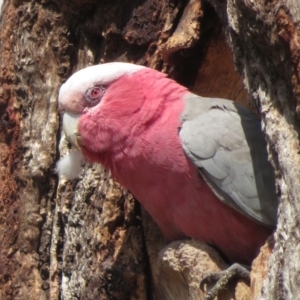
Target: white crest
102	74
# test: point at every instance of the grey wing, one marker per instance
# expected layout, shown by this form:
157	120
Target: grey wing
224	140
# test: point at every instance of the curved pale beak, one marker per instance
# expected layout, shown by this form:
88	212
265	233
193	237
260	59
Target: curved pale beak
70	127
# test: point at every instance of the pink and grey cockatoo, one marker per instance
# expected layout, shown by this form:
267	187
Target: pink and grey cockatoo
198	165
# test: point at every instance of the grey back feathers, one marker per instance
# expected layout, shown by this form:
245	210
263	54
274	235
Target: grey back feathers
224	140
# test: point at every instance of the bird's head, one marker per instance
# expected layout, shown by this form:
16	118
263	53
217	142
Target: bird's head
106	107
85	95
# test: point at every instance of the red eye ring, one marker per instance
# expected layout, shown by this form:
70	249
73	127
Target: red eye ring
94	95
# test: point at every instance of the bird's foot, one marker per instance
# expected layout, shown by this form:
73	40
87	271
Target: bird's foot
221	279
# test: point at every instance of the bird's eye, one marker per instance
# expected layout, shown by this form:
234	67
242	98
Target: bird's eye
96	92
94	95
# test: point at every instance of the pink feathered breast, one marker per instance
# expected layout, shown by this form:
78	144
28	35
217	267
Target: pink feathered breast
134	133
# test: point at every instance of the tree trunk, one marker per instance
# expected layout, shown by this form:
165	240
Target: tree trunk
264	37
88	238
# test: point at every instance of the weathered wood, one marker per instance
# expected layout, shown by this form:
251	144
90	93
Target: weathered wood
84	239
265	42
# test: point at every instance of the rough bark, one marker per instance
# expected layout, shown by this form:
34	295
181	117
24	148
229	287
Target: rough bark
264	37
85	239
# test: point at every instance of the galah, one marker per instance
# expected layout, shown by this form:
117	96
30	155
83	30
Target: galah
198	165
